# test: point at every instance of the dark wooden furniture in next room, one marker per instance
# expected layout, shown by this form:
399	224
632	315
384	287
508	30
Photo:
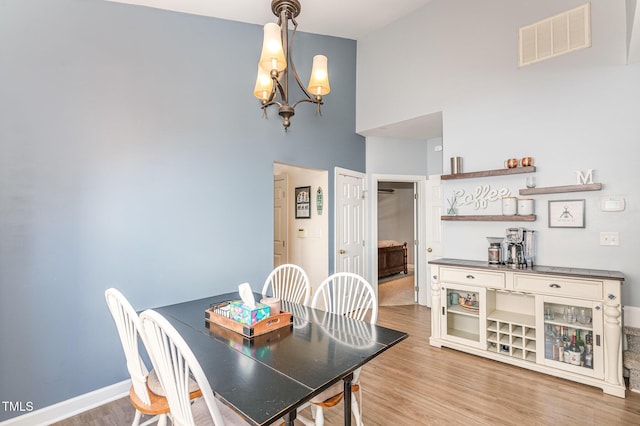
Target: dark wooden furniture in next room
392	258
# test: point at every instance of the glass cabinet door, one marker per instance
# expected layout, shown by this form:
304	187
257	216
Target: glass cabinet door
573	338
463	313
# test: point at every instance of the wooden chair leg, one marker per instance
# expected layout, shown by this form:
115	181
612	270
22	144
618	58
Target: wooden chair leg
319	416
163	420
136	419
356	409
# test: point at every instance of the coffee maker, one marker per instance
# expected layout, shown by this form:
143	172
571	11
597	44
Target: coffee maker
519	248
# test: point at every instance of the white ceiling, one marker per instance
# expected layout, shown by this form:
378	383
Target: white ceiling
350	19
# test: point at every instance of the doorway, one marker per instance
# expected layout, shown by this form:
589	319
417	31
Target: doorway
396	243
303	239
414	187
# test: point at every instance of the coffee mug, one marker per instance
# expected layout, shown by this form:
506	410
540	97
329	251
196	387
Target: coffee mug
511	163
526	161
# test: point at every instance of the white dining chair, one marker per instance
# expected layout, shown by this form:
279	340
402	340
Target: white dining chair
176	364
288	282
146	393
348	294
351	295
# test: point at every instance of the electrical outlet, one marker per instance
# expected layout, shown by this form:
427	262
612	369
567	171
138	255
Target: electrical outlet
609	239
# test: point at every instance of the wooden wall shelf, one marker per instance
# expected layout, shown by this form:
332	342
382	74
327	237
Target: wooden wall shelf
491	218
559	189
485	173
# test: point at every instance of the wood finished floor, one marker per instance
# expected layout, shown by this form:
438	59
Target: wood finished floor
416	384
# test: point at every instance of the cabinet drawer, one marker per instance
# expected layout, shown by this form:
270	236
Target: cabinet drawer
474	277
557	286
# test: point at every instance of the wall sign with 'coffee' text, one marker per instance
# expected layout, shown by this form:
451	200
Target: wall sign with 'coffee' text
481	197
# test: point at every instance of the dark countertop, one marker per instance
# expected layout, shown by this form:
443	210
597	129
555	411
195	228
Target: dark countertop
537	269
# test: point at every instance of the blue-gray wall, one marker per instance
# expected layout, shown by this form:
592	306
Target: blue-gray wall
133	154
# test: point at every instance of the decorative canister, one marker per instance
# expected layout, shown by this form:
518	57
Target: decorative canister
456	165
494	254
525	206
509	206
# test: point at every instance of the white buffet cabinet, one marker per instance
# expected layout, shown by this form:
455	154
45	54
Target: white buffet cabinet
511	315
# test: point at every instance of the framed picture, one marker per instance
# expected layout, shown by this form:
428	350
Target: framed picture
566	214
303	202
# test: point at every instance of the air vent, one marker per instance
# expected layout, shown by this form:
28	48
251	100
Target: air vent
554	36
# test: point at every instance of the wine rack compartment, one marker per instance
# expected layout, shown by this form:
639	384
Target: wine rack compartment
511	324
512	334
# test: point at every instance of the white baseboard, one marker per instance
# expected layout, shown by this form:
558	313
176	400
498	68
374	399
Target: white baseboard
631	316
71	407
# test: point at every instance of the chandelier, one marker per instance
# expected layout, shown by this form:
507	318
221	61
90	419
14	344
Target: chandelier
276	65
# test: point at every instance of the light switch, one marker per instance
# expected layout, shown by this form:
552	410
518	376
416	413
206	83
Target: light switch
302	232
609	239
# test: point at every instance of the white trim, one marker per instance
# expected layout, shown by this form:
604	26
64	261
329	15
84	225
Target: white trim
633	40
631	316
420	181
71	407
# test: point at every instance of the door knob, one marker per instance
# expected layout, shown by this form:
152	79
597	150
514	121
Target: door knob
429	250
342	251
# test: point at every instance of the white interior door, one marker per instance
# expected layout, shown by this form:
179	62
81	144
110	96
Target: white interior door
350	221
434	205
280	220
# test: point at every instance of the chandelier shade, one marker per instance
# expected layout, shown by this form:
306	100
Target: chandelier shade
276	66
264	85
319	81
272	57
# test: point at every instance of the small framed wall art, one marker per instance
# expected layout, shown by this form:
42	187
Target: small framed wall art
566	214
303	202
319	201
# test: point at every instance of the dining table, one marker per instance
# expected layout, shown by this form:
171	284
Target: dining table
267	378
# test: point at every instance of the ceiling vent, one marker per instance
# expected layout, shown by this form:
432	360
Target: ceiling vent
554	36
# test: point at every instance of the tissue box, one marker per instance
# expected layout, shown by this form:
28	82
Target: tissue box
246	315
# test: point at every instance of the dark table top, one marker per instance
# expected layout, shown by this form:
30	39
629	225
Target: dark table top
266	377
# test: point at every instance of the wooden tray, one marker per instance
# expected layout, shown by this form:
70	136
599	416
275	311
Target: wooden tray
274	322
242	343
